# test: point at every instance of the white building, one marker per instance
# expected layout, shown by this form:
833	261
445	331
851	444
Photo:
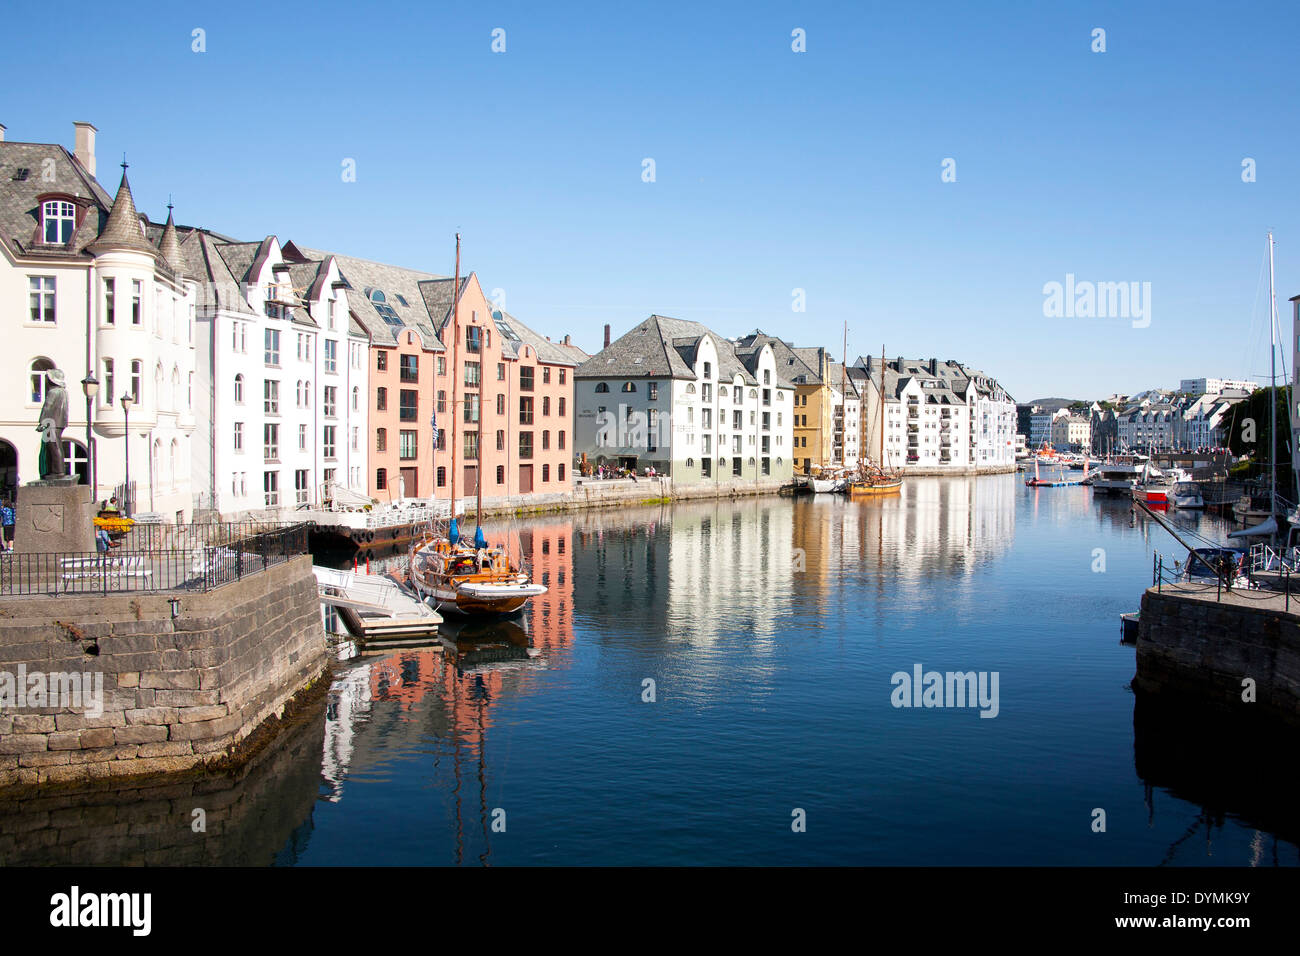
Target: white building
93	286
676	396
939	418
283	371
1214	386
846	405
1072	432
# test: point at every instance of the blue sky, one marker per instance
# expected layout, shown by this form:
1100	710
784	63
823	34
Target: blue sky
774	170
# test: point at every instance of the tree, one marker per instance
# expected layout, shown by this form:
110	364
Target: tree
1247	428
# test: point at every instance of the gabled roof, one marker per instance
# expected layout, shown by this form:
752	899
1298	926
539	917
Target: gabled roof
547	351
364	277
662	347
791	368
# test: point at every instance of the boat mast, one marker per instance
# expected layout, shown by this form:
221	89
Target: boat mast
1272	360
844	397
455	373
882	408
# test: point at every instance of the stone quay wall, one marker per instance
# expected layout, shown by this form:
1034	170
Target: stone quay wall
623	492
1197	649
178	692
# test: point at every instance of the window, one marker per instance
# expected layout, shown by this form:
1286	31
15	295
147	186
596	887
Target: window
706	417
381	361
327	441
473	338
501	474
381	479
38	370
546	441
331	313
271	442
559	476
137	300
735	467
526	378
525	444
525	410
546	375
108	394
331	401
407	405
331	355
356	398
381	439
652	389
706	392
408	446
501	439
271	396
137	381
442	400
602	388
302	437
471	409
501	371
41	289
59	218
501	404
708	370
471	374
410	368
442	477
300	486
735	419
239	436
767	420
560	440
546	404
563	376
471	446
110	301
271	488
381	399
356	438
767	380
546	473
272	347
239	389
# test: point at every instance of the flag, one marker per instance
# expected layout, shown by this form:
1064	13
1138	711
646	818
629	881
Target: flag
434	423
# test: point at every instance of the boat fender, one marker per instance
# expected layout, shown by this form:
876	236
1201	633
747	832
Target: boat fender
370	536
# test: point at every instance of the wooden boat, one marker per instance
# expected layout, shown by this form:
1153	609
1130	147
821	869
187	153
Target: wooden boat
872	481
873	485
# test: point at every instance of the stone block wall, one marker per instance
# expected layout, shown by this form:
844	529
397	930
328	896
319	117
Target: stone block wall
1201	650
178	692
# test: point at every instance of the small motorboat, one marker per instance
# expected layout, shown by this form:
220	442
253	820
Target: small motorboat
1186	495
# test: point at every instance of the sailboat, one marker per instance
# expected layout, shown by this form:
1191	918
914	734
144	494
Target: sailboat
874	481
1259	504
474	578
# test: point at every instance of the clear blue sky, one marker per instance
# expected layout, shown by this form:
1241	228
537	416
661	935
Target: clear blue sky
775	170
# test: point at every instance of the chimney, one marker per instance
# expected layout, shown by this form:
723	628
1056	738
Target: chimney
2	132
85	146
606	335
566	341
934	366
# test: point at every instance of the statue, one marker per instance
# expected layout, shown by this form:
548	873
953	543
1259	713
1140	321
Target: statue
54	418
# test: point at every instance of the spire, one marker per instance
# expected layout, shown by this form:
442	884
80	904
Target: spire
122	231
170	245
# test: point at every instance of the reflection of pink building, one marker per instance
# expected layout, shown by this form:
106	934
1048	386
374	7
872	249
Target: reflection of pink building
502	392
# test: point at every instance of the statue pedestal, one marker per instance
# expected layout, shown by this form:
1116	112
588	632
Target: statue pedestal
54	515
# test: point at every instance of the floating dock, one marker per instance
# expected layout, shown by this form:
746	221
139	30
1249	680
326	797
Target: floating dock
375	608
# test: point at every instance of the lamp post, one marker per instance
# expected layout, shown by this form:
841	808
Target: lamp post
90	386
127	402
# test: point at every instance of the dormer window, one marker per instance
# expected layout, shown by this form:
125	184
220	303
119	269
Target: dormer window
708	369
59	218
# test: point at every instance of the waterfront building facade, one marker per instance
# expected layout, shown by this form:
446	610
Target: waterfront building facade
939	417
282	370
1072	432
94	287
674	396
1214	386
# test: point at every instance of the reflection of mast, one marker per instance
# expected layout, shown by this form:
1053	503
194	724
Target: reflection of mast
482	776
455	743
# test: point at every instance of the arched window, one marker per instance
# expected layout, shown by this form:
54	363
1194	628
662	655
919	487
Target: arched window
306	394
601	388
722	391
176	389
690	388
38	369
356	398
58	216
239	389
690	462
753	393
171	463
629	386
297	394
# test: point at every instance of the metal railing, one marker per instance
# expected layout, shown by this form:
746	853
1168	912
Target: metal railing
202	568
187	537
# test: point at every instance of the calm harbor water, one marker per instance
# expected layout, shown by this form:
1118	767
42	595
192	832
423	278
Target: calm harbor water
771	629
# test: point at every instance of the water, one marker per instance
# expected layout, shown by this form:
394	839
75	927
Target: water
771	628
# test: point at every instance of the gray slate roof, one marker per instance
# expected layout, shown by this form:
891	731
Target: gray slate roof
663	347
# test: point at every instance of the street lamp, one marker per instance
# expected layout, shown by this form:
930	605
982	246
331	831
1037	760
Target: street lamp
127	401
90	386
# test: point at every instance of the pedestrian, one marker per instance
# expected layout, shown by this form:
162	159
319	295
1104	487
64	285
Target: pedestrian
102	542
7	518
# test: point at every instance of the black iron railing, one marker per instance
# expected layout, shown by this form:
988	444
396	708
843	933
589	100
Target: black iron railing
201	568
